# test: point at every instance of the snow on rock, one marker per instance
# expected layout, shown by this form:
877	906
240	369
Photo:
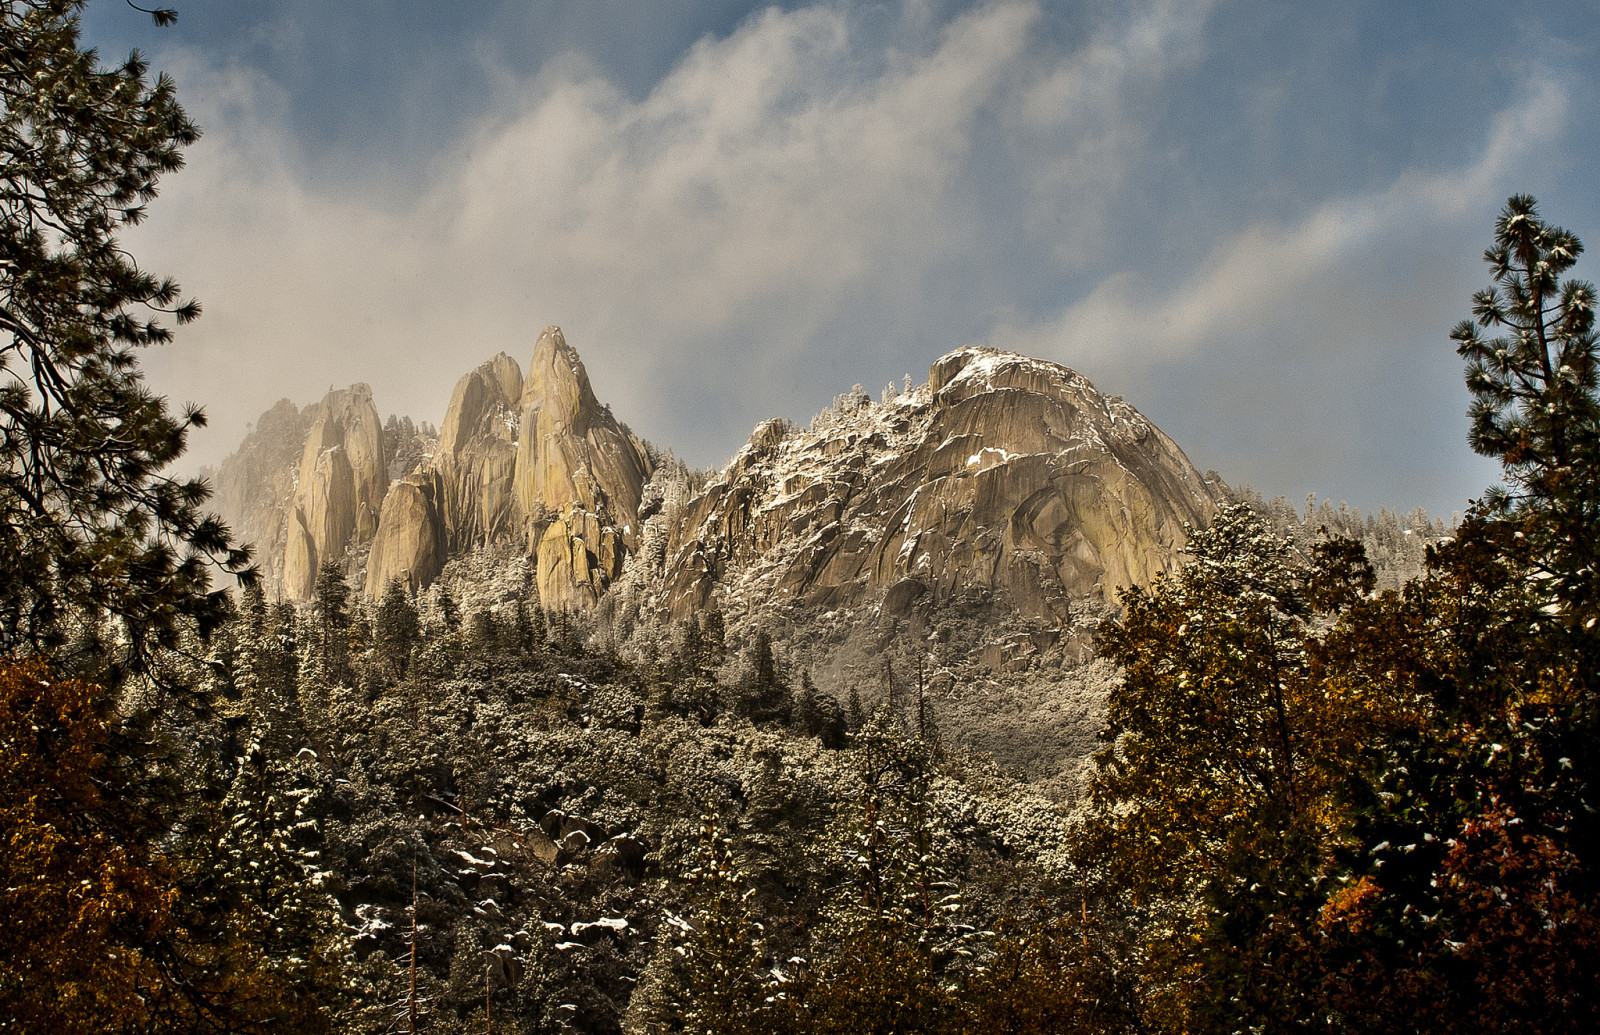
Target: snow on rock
1003	473
614	924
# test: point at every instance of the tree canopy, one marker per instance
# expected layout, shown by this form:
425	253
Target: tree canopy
91	525
1323	807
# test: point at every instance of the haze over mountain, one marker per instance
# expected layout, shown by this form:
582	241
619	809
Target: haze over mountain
1000	475
1258	219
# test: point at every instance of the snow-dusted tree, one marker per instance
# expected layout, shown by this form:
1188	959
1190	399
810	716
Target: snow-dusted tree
396	628
330	649
270	871
725	992
888	954
1535	406
1213	800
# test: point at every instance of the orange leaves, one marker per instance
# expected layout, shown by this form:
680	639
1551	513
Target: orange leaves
94	936
1351	908
79	903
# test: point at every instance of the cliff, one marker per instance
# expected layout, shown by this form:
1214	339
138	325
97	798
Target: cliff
1004	475
1003	478
253	487
339	489
579	478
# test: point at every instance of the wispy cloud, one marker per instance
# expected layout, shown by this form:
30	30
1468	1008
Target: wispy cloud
790	179
1326	275
841	192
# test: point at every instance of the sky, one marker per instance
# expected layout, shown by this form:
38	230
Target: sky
1256	221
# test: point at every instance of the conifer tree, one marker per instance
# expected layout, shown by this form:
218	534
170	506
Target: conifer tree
1476	845
1535	407
89	524
449	611
725	994
762	694
331	606
397	627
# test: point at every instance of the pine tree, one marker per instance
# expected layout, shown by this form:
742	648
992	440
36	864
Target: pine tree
89	526
397	627
1470	883
1535	406
331	605
886	955
449	611
761	694
725	993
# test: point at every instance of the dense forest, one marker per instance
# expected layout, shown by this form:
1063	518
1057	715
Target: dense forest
1346	780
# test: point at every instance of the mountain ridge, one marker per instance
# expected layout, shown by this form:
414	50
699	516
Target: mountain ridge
1002	475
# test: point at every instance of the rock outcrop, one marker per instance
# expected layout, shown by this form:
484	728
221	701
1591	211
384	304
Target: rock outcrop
253	487
411	544
339	490
476	458
1003	475
579	476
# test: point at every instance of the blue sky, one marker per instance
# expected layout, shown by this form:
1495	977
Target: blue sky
1257	221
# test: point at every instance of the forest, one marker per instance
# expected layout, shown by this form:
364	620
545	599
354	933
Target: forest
1346	781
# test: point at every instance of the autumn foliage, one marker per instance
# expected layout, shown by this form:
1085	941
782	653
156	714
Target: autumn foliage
81	897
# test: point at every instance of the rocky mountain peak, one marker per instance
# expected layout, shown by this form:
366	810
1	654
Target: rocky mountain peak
579	478
484	404
1002	475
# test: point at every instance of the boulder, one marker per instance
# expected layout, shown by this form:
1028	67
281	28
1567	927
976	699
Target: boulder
411	543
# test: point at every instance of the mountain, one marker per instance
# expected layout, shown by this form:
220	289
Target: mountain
1003	479
1005	475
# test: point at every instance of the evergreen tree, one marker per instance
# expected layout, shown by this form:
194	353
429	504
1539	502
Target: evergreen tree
1535	407
885	957
88	523
397	627
723	947
1471	885
331	606
449	611
483	632
529	626
761	694
816	714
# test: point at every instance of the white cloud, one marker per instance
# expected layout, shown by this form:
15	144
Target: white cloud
1316	275
818	198
791	176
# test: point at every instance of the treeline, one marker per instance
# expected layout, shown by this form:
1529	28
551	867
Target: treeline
1396	544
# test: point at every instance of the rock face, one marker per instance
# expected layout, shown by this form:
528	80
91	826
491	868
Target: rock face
339	491
579	476
477	456
1003	478
1003	474
253	487
410	544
